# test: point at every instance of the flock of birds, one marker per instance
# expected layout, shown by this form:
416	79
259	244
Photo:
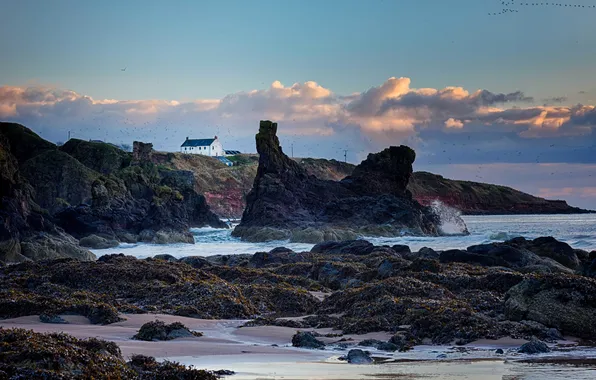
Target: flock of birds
508	6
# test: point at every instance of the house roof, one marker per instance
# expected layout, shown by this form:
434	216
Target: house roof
231	152
198	142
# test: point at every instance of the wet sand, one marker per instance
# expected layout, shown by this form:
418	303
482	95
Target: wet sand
265	352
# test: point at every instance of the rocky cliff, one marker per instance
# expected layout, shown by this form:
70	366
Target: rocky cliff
94	192
26	230
287	202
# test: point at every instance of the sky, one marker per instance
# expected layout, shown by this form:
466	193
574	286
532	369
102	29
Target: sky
480	93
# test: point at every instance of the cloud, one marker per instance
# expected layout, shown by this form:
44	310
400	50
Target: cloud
453	123
390	113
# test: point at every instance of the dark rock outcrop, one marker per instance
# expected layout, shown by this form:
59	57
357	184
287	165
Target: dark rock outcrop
90	188
286	202
567	303
158	330
357	356
534	347
27	232
305	339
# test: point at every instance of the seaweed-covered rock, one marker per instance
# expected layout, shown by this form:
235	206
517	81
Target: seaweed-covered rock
534	347
305	339
349	247
372	201
158	330
567	303
30	355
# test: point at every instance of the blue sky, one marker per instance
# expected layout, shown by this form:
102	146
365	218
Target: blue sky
191	67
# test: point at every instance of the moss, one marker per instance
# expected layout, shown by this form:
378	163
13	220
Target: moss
100	157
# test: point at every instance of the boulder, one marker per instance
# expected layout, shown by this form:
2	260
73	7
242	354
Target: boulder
196	262
306	339
158	330
357	356
534	347
427	253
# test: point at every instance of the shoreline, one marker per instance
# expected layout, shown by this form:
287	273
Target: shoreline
264	351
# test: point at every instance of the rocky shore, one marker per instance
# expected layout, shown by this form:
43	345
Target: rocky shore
537	290
286	202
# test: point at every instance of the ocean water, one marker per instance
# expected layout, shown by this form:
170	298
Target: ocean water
577	230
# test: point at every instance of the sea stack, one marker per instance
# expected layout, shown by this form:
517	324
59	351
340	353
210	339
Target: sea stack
286	202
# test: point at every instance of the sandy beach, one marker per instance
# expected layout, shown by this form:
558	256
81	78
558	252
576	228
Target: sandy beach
265	352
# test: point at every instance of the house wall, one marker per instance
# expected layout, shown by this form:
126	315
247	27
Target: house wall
216	149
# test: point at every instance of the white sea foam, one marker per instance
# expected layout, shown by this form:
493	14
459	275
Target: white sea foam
451	220
577	230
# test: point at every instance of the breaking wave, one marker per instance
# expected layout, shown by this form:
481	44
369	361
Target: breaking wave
451	220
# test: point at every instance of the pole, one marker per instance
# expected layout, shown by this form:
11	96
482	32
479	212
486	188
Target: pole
345	155
69	135
292	150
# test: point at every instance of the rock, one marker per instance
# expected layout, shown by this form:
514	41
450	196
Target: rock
350	247
591	270
158	330
277	256
553	335
499	351
196	262
165	257
567	303
26	230
52	318
53	246
427	253
306	339
357	356
97	242
287	202
401	249
534	347
460	256
103	158
511	254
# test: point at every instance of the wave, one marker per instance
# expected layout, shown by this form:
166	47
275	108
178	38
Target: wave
450	217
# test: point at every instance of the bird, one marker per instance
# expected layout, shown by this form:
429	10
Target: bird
124	69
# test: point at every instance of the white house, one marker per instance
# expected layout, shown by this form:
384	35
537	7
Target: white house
207	147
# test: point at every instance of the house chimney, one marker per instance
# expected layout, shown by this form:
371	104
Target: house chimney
186	138
216	137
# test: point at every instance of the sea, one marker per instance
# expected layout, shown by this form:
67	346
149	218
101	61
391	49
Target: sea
578	230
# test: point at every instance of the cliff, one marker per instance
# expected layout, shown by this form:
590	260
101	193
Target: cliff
92	191
474	198
288	202
26	230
